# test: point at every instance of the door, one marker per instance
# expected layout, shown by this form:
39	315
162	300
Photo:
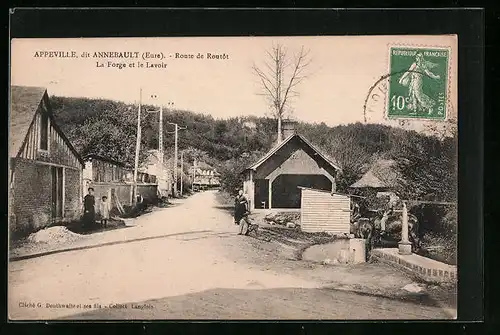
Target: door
261	197
57	192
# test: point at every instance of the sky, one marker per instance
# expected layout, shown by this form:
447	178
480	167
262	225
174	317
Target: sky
341	72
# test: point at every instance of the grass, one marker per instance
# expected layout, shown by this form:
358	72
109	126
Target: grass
439	247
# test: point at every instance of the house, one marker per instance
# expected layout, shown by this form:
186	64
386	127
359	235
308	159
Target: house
157	166
45	170
273	181
205	176
114	179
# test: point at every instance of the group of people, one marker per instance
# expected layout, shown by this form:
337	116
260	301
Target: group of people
89	215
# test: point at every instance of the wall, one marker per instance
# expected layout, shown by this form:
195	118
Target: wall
72	189
148	191
32	196
325	212
122	192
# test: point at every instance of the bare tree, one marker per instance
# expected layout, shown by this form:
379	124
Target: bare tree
279	77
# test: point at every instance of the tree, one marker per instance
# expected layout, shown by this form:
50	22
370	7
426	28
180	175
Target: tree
350	156
279	77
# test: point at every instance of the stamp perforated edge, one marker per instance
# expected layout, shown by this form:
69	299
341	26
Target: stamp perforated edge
447	84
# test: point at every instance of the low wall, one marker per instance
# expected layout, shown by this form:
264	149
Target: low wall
122	193
422	267
341	251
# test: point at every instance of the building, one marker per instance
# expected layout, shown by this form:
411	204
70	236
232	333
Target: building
45	170
205	176
274	180
157	166
114	179
382	176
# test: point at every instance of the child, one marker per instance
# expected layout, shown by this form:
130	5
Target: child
104	211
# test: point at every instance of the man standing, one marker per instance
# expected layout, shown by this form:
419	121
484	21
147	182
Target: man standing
89	209
241	212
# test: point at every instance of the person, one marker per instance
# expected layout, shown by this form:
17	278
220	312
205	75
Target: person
104	210
89	209
241	212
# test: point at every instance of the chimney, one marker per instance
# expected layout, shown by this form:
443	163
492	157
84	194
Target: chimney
288	128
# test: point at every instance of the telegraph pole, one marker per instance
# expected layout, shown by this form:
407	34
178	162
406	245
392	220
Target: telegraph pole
137	149
160	136
176	153
182	169
194	174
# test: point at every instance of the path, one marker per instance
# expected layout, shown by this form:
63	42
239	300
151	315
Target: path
188	263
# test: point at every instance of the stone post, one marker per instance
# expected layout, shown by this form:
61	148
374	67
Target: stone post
404	244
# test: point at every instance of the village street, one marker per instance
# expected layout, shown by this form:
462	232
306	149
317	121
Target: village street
186	262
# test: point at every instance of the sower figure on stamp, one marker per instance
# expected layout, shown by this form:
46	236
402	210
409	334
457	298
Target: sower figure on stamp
413	78
89	209
241	213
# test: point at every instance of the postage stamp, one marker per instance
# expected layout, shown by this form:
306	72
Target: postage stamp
418	85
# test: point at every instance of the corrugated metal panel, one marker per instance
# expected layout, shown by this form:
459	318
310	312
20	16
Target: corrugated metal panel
325	212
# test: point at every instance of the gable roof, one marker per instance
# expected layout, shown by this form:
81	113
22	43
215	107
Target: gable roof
90	157
283	143
382	174
24	102
204	166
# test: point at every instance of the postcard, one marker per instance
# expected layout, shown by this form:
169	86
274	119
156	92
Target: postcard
233	178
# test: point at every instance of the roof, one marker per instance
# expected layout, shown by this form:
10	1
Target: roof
204	166
24	103
104	159
282	144
382	174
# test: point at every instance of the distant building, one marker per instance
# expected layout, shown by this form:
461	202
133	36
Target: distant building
274	180
382	176
157	166
250	125
45	169
205	176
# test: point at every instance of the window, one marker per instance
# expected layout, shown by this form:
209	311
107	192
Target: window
44	132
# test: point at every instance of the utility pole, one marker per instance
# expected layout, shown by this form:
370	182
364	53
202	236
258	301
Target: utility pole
137	150
176	154
160	137
175	157
182	169
194	174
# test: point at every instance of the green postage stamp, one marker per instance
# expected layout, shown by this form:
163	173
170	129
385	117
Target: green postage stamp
418	83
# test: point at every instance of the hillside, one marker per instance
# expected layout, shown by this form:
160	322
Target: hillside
108	128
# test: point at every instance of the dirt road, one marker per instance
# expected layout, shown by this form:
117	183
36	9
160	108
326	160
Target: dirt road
186	262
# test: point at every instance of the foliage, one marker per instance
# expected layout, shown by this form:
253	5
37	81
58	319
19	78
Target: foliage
108	128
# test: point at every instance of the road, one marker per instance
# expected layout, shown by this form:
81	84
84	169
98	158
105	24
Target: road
186	262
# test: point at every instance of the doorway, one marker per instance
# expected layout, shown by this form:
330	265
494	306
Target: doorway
261	198
57	192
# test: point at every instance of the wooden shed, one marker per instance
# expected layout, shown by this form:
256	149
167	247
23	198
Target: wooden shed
324	211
